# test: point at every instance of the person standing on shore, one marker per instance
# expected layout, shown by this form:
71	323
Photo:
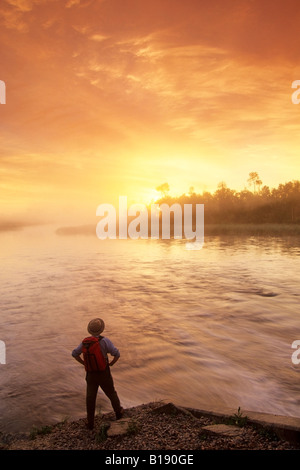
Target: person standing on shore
98	376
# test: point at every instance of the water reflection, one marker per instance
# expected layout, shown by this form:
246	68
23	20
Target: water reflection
202	328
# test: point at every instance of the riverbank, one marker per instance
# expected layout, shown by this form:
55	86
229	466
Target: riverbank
245	229
163	426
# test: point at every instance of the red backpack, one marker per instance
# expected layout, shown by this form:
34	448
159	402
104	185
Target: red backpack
92	354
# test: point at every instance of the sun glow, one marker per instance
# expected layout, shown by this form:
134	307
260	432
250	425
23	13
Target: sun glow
150	196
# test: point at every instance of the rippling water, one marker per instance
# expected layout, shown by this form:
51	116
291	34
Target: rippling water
207	328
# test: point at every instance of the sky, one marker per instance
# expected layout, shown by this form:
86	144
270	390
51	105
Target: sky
109	98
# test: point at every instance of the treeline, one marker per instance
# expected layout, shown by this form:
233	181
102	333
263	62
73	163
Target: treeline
279	205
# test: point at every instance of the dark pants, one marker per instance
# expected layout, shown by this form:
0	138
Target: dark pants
104	380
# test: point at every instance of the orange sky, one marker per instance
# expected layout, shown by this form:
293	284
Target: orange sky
114	97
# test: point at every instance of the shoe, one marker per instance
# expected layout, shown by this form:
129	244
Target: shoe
120	413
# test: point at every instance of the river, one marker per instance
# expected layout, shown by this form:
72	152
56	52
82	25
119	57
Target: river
206	328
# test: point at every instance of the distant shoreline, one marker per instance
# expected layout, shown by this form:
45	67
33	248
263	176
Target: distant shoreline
270	229
252	229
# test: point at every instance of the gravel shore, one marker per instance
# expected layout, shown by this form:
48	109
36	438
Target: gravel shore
150	427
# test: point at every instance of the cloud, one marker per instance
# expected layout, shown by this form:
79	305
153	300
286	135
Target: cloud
193	87
16	14
12	19
98	37
22	5
72	3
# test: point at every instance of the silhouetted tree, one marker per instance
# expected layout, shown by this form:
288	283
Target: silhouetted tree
163	189
254	180
275	205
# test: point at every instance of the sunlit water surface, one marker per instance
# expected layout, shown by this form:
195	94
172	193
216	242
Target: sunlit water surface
206	328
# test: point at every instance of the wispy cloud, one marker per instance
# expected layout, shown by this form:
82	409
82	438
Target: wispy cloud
22	5
72	3
98	37
13	19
